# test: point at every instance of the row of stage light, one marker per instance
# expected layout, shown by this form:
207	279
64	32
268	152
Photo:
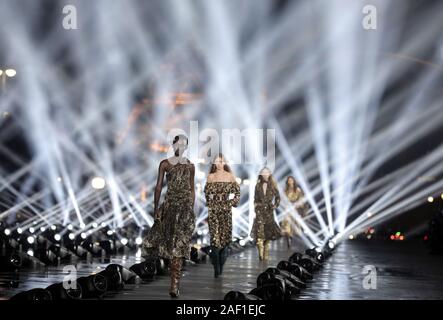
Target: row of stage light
56	244
17	251
289	277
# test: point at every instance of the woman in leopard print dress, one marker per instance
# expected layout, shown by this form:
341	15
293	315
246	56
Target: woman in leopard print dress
220	186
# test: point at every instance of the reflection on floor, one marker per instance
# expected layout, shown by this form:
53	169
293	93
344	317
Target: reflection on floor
404	271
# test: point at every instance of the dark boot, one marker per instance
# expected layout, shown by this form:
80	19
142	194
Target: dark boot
215	257
175	269
289	241
223	258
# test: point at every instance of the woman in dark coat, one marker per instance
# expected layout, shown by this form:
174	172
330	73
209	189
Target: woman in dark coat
266	200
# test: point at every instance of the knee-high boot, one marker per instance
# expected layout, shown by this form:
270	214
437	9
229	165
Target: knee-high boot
223	257
215	257
175	269
266	246
260	249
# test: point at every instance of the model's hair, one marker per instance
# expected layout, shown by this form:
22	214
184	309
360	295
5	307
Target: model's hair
287	183
178	137
271	179
226	167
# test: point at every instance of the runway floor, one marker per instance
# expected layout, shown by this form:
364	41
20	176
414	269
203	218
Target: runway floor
404	271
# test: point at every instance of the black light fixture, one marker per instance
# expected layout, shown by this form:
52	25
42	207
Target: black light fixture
281	284
316	253
37	294
10	262
113	277
60	292
299	284
93	286
60	252
128	276
273	290
237	295
296	257
146	270
295	269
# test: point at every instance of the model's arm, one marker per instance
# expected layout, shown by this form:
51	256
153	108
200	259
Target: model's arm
277	198
236	191
191	183
158	188
208	193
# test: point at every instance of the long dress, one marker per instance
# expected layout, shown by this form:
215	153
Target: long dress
171	236
220	210
296	198
264	226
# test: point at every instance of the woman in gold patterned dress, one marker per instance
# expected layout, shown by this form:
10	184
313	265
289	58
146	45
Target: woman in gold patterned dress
219	187
170	236
266	200
295	195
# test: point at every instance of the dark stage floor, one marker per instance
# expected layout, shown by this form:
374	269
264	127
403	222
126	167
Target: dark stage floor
404	271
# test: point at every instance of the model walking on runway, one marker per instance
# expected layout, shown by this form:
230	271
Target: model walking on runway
220	186
295	195
174	224
266	200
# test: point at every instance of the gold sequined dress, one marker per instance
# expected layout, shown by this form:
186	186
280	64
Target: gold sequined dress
296	197
171	236
220	210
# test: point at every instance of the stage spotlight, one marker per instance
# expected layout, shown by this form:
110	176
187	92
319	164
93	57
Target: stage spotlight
331	244
7	232
242	242
70	227
113	277
108	246
31	240
42	229
19	230
138	241
10	262
309	264
59	292
98	183
124	241
93	247
237	295
30	252
10	73
57	237
128	276
103	224
110	232
80	252
93	286
296	257
146	270
316	254
33	295
273	290
295	269
31	230
60	251
291	282
430	199
53	227
83	235
71	236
